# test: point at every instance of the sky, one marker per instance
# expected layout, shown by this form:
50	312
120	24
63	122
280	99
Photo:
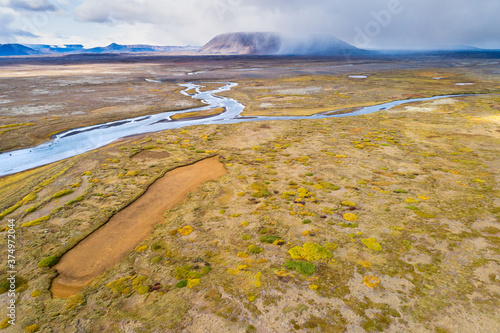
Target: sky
370	24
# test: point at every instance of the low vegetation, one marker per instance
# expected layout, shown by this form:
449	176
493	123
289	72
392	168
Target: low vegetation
385	222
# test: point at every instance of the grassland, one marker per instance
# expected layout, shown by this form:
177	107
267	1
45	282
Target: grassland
309	94
388	222
198	114
384	222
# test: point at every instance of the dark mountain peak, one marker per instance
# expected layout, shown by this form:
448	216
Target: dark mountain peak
244	43
272	43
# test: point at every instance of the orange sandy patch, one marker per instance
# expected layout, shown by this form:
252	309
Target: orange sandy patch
124	231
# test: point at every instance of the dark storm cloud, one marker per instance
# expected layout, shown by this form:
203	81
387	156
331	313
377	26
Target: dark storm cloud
32	5
365	23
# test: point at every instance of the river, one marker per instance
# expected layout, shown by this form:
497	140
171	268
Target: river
79	140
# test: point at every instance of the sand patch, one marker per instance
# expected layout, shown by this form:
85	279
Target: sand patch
124	231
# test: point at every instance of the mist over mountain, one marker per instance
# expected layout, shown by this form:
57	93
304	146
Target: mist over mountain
272	43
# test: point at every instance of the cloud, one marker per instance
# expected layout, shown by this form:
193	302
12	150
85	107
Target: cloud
364	23
8	33
33	5
415	23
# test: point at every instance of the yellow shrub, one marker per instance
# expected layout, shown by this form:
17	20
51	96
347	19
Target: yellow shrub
4	324
30	197
193	283
140	249
32	328
350	217
242	255
35	222
372	244
371	281
310	252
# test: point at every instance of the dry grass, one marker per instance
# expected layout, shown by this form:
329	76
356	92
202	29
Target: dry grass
293	96
198	114
399	211
424	190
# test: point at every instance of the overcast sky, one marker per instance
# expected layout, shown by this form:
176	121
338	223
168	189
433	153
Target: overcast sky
383	24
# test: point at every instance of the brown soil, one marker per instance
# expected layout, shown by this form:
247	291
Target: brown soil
124	231
150	155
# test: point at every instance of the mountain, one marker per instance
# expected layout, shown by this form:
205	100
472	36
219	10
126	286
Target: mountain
51	49
244	43
272	43
117	48
44	49
16	50
460	47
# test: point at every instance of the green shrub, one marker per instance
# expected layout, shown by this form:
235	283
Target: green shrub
264	231
268	239
302	267
254	249
189	272
156	260
307	221
35	222
62	193
143	289
48	262
158	247
75	200
139	280
31	209
10	210
205	270
5	284
261	193
30	197
181	284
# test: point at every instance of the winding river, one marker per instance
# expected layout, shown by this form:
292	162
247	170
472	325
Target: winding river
79	140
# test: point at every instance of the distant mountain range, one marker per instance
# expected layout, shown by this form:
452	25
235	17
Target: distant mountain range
16	50
238	43
41	49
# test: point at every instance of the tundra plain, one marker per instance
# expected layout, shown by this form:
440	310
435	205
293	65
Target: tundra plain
387	222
